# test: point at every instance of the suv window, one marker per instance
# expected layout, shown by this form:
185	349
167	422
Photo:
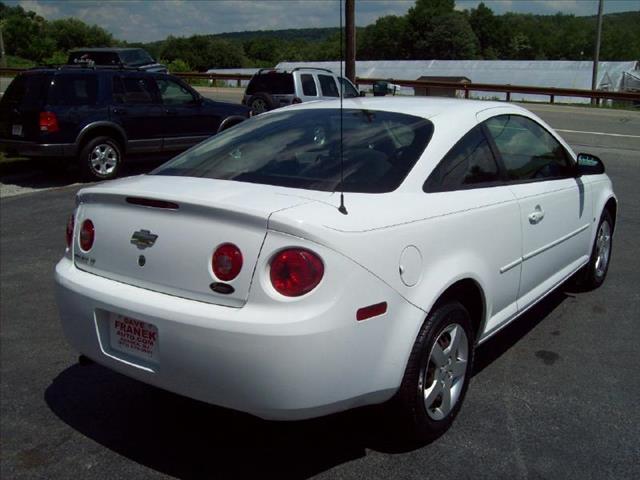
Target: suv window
301	149
527	150
308	85
135	58
74	90
134	90
275	83
347	89
328	86
27	90
173	93
469	163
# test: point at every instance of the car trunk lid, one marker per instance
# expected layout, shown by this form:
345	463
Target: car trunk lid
165	241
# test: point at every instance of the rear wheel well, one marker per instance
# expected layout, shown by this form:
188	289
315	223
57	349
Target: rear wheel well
102	132
612	207
469	293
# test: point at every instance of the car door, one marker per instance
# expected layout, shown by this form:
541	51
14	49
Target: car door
188	119
328	87
555	212
136	107
483	216
348	89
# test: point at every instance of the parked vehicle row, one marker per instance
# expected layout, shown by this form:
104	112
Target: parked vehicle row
100	115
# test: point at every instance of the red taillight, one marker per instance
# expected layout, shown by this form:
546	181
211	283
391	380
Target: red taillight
296	100
295	272
48	122
227	262
87	235
69	232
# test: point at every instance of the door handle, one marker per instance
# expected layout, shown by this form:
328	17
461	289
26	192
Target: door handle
536	216
171	112
121	111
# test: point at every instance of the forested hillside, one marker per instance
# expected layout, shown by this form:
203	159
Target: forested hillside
431	29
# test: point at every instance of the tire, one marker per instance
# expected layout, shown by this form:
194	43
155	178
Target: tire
595	271
260	102
436	371
100	159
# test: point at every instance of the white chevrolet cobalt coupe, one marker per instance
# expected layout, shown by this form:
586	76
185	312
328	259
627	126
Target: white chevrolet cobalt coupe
317	258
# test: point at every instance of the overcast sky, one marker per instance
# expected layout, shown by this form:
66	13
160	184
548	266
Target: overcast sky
147	20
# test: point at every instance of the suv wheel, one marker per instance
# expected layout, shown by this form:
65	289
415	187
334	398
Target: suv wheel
261	102
101	158
437	374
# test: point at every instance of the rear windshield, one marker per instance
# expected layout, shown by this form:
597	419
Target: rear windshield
275	83
28	90
303	149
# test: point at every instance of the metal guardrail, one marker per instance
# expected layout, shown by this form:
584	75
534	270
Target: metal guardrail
465	87
509	89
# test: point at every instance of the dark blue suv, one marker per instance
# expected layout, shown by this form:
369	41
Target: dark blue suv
99	115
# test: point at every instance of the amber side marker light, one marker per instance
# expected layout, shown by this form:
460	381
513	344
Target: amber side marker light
371	311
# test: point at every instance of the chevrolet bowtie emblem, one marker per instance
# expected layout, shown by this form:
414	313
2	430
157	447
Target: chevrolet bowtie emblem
143	239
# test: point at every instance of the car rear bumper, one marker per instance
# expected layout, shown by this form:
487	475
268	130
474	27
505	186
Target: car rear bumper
34	149
265	361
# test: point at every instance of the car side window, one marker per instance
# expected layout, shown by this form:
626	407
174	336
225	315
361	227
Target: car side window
347	89
328	86
308	85
470	163
74	90
136	90
173	93
527	150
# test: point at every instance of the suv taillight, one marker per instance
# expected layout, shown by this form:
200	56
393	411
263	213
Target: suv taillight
296	271
48	122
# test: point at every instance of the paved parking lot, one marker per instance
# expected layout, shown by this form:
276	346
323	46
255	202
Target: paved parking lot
555	395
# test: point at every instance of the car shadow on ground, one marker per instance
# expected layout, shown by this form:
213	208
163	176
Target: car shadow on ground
189	439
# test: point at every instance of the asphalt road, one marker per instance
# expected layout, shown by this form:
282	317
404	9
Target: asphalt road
555	395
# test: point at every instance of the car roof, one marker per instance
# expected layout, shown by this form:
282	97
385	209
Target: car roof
426	107
103	49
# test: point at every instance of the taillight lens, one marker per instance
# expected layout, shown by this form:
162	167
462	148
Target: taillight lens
48	122
296	271
87	235
227	262
69	232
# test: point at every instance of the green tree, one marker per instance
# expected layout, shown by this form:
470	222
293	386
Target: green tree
69	33
383	40
203	52
436	31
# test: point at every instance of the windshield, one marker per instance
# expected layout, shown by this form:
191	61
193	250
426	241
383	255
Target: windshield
135	58
302	149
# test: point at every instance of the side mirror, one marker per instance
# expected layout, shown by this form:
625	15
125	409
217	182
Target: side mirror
363	94
589	164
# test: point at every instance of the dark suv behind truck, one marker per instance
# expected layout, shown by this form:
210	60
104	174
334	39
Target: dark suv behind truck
125	57
99	115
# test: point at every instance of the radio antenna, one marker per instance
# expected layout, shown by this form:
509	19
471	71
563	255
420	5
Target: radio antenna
342	209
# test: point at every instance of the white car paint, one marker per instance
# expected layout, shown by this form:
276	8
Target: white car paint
290	358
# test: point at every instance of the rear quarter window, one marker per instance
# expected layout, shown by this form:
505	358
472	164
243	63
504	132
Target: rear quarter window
74	90
28	90
274	83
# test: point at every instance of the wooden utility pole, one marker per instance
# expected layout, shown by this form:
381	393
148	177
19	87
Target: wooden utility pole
350	19
3	59
596	54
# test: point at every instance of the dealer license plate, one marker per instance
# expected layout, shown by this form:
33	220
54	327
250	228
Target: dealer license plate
16	130
134	337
